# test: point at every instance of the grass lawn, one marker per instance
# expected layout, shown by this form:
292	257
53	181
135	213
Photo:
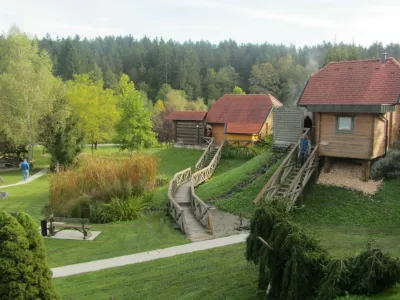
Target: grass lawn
14	176
345	221
29	198
155	231
222	183
220	273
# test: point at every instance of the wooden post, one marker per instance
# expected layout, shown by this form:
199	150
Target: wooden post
328	164
175	131
366	170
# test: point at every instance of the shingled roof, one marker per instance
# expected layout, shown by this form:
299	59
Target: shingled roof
186	116
243	114
364	82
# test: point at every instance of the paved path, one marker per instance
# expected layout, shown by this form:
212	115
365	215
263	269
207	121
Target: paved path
195	231
146	256
31	178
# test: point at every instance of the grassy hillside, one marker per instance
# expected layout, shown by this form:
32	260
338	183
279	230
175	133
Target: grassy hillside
221	183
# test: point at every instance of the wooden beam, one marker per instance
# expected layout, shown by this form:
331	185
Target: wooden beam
366	170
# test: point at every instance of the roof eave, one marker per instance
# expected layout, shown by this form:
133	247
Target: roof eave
350	108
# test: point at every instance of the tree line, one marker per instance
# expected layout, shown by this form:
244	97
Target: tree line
201	69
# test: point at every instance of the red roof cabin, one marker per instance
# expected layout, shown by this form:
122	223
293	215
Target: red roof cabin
355	108
242	118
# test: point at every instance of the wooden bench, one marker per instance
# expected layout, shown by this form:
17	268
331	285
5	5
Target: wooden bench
58	224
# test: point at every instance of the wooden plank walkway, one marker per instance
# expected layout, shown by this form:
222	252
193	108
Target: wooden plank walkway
194	229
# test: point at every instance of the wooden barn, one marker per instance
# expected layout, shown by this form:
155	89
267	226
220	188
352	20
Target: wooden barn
242	118
189	127
355	109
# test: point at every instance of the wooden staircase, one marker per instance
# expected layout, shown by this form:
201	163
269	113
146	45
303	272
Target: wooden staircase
211	155
290	179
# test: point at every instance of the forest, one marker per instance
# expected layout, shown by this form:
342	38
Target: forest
199	68
69	91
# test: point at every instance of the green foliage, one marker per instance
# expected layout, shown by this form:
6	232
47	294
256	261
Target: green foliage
27	87
264	79
61	135
299	268
24	273
239	152
238	91
163	92
387	166
96	107
41	279
221	82
134	129
118	210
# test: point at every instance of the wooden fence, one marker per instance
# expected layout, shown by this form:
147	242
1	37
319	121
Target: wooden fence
174	209
240	143
275	182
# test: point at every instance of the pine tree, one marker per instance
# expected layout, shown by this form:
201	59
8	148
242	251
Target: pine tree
41	278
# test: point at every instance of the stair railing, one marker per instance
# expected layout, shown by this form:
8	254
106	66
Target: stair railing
303	176
203	159
273	185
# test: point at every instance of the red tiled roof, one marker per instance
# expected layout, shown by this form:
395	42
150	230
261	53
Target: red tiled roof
242	110
354	82
243	128
186	115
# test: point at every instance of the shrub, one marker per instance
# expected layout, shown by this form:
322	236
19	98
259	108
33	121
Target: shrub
41	278
387	166
239	152
102	178
118	210
23	268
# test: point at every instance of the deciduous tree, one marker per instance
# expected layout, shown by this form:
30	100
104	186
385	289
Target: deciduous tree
134	129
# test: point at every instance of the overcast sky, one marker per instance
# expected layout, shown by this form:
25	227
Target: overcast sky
298	22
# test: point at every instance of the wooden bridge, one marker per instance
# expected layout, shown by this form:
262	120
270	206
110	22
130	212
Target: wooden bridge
190	213
290	179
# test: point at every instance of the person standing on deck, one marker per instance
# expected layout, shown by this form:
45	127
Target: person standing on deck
304	149
24	166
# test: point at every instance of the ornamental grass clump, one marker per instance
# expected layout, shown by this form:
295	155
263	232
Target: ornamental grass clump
293	265
101	179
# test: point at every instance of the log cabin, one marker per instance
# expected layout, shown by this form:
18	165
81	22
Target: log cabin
189	127
355	109
242	118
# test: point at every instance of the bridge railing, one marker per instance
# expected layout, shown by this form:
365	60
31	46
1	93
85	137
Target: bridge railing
174	209
274	183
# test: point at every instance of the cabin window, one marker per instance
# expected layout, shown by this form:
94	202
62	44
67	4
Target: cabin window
345	124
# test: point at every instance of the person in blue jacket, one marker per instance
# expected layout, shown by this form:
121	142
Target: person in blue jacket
304	149
24	166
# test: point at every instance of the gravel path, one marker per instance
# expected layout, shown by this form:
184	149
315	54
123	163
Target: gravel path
348	175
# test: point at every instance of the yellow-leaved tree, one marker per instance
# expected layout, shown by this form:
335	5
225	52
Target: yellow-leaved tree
96	107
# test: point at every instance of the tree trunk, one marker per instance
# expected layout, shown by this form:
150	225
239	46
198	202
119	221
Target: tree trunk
57	167
92	147
95	145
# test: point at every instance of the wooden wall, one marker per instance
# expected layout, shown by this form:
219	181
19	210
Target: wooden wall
218	133
241	137
288	124
395	126
379	139
268	126
188	133
357	145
